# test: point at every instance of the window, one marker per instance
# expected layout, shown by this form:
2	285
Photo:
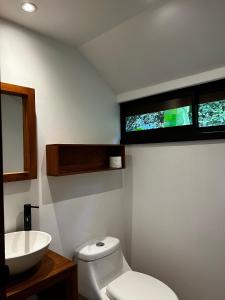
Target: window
211	110
186	114
180	116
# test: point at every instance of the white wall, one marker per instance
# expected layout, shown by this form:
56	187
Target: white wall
73	105
178	209
179	216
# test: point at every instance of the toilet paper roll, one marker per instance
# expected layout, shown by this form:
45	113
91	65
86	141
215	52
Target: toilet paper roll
115	162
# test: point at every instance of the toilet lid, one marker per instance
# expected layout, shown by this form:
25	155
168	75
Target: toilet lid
133	285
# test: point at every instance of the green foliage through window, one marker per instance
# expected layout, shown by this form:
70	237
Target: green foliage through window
180	116
211	113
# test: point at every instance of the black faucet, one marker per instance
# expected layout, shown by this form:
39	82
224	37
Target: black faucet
27	216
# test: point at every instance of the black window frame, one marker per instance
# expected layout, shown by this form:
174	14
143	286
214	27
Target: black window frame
171	134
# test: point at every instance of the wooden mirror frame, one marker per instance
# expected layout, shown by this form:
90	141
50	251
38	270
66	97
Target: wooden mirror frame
29	132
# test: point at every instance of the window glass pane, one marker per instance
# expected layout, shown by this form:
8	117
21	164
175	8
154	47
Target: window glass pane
180	116
211	113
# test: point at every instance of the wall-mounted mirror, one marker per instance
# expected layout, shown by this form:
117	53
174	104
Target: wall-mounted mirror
18	132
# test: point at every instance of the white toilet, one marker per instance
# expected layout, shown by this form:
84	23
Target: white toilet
103	274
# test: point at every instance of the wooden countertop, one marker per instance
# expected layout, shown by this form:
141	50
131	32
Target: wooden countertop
53	269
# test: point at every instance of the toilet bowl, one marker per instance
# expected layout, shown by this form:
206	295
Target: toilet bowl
104	274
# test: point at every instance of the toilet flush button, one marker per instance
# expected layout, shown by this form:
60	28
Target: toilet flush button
100	244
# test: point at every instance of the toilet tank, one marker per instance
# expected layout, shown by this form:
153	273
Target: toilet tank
99	262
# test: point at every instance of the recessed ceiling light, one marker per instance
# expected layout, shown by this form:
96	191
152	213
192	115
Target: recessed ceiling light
29	7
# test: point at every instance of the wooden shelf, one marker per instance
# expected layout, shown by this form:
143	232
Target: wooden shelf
68	159
55	277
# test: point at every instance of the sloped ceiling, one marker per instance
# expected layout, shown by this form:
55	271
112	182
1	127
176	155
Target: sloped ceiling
73	21
170	39
134	43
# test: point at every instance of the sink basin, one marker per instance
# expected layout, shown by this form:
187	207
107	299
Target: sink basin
24	249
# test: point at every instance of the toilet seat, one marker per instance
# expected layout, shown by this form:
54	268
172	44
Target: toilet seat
133	285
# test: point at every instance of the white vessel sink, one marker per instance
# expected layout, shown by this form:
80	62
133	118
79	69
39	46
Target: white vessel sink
24	249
